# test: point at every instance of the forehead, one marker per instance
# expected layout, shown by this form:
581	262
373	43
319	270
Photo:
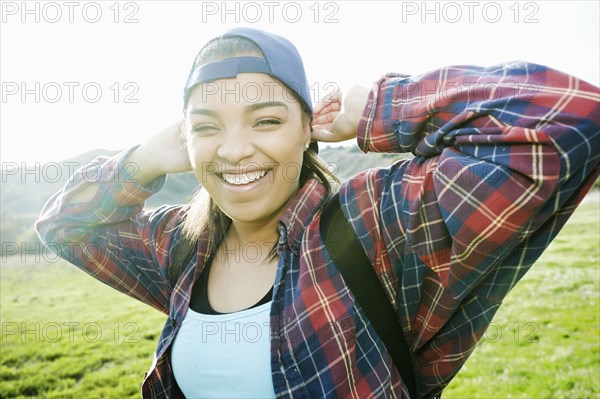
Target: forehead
245	89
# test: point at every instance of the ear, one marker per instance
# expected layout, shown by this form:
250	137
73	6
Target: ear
306	131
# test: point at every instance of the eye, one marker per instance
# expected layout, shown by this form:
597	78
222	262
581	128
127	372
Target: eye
204	128
267	122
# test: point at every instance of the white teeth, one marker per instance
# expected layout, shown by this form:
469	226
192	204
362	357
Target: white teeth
241	179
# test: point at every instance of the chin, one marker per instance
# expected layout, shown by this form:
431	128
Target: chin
246	213
253	212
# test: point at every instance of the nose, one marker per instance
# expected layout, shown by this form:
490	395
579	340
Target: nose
235	146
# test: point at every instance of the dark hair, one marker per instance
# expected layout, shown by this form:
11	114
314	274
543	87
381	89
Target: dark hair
203	214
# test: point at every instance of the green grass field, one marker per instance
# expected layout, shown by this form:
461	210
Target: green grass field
65	335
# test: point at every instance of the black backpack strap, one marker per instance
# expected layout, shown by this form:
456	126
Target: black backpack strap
349	256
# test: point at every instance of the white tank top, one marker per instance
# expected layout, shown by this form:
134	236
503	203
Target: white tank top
224	355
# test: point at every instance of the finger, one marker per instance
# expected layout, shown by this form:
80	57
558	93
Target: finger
325	119
329	107
324	135
333	100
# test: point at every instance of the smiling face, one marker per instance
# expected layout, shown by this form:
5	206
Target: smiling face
246	138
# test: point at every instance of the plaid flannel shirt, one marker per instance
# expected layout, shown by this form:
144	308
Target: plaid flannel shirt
502	157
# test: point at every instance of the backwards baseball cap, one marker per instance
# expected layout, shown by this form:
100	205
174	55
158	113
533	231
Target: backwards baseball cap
282	62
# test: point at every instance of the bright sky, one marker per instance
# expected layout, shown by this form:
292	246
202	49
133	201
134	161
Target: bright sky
104	83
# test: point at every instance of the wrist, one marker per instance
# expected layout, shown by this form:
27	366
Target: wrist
356	100
144	167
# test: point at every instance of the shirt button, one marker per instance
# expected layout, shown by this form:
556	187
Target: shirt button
172	322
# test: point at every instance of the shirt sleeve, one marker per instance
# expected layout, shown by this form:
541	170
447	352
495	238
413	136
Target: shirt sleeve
112	237
502	156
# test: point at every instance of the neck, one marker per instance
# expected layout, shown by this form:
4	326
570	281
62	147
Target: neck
252	240
251	233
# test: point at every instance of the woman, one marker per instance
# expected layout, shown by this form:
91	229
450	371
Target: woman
256	307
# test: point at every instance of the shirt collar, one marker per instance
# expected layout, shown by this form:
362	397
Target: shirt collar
299	212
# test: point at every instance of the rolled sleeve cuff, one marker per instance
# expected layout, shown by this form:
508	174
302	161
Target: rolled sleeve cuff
375	131
117	184
125	188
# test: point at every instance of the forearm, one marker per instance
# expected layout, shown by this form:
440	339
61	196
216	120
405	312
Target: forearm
424	114
530	125
496	162
141	173
103	192
163	153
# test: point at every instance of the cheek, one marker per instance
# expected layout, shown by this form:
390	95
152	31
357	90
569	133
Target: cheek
198	150
199	154
292	151
291	166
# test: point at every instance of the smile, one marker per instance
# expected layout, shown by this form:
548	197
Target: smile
241	179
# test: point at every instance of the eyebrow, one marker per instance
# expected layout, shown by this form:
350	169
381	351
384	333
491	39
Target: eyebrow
257	106
249	108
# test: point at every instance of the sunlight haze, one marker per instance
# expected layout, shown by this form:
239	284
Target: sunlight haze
113	79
